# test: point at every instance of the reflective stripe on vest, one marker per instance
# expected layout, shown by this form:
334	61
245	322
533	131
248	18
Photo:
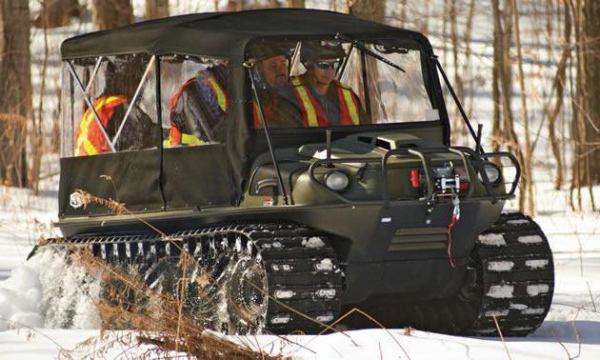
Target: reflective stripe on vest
269	107
311	108
176	138
348	106
216	88
207	78
307	104
90	139
258	121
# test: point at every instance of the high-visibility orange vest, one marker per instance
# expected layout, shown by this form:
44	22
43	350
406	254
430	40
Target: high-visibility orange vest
176	137
268	110
312	112
89	137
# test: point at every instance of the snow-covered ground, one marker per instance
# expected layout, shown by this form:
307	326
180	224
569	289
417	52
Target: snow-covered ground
26	329
572	328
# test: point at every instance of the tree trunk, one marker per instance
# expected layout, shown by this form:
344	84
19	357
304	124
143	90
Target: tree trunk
591	125
56	13
502	64
527	165
15	90
497	138
295	3
156	9
559	85
239	5
373	10
108	14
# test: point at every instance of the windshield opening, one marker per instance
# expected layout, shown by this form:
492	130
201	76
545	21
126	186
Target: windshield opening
339	83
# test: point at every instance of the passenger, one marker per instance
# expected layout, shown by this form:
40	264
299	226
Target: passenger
274	89
122	79
323	100
198	108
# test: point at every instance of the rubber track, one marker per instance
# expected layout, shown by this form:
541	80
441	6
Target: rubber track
514	282
304	278
517	272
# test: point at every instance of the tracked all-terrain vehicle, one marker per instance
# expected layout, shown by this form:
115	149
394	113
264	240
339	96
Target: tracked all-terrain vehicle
292	224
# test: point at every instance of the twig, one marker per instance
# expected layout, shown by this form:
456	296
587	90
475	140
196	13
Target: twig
20	324
501	336
576	334
591	296
561	344
369	317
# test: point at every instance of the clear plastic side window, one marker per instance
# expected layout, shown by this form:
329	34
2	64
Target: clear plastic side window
109	105
194	100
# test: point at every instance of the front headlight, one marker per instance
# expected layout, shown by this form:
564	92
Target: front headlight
337	181
492	171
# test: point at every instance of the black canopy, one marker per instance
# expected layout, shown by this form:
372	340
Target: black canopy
223	35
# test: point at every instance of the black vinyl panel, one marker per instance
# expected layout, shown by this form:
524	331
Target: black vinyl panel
197	176
135	181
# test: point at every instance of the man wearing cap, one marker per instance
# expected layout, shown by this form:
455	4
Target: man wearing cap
323	100
122	77
198	108
274	89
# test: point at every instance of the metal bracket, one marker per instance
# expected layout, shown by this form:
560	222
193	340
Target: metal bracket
134	100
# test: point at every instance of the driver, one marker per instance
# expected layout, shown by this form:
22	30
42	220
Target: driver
273	88
323	100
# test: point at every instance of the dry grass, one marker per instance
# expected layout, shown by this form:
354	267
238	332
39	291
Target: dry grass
128	303
161	319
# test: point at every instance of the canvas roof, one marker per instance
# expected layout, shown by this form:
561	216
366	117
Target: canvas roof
224	34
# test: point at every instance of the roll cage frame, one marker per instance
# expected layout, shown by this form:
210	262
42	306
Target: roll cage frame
430	66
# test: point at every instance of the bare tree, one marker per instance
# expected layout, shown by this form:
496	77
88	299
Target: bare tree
503	27
15	90
373	10
591	138
527	165
156	9
296	3
586	126
108	14
458	84
56	13
239	5
558	85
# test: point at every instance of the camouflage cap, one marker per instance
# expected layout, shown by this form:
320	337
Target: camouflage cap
312	52
264	51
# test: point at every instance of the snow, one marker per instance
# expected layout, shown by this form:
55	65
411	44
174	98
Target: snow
517	222
492	239
531	239
536	264
518	306
313	243
497	313
535	290
326	293
501	291
281	319
32	301
284	294
500	265
324	265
